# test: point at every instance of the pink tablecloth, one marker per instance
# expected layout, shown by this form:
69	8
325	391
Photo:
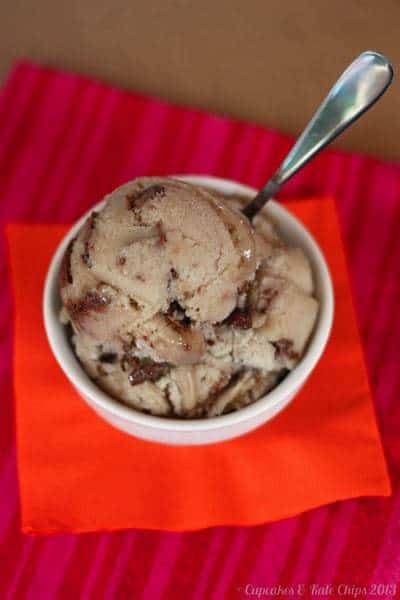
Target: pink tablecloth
58	132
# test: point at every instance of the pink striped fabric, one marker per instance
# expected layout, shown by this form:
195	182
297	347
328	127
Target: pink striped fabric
70	140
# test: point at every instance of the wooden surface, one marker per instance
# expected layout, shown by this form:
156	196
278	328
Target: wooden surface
267	61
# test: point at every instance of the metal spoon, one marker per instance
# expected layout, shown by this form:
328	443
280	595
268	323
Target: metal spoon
356	90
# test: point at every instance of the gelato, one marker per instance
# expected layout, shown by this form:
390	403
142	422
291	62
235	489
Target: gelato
180	307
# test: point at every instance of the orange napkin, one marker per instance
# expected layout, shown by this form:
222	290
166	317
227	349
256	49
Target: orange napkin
77	473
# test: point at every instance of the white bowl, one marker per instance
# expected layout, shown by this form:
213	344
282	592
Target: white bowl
197	431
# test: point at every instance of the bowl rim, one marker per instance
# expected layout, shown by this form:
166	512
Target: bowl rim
288	387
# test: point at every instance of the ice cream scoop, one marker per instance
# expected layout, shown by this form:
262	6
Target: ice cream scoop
174	299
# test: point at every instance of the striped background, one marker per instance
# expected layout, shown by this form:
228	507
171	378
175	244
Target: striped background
65	141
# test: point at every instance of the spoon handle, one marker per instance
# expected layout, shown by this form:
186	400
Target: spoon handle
356	90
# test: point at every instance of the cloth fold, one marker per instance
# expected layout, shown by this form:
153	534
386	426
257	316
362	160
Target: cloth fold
77	473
